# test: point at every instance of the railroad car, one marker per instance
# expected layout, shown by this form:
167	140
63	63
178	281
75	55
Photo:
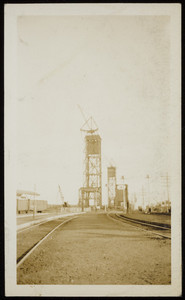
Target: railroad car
27	205
40	205
22	206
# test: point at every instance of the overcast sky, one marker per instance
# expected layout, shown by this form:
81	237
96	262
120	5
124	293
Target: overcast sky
117	68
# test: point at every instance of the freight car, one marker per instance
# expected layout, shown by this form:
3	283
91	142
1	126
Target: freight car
27	205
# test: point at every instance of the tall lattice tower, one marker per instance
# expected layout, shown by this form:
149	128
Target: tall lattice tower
111	186
90	195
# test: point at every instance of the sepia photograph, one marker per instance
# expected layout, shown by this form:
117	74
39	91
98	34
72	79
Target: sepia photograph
92	150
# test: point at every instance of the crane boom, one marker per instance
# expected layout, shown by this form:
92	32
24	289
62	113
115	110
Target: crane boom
61	195
83	115
87	121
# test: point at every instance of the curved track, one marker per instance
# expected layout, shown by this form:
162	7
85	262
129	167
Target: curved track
122	219
32	226
27	253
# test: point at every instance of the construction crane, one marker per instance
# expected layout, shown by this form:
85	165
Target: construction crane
90	123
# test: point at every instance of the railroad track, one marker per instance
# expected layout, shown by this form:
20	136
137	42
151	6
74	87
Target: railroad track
21	258
140	224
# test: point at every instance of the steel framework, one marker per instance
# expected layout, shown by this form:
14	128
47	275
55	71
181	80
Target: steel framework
111	185
91	192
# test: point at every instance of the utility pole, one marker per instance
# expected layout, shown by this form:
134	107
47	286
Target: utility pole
143	196
123	193
82	199
34	203
126	198
148	177
135	201
167	189
167	186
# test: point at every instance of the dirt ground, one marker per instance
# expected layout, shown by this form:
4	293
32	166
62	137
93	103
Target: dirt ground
92	249
159	218
22	219
28	238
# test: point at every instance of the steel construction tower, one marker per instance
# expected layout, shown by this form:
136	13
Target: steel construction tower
111	180
90	195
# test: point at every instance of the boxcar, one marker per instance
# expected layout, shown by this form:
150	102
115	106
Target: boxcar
27	205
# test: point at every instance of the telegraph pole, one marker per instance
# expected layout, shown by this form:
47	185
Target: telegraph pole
148	177
82	201
143	196
123	193
34	206
167	186
167	189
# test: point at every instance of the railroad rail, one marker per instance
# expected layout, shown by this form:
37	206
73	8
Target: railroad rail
29	251
34	225
148	223
123	219
37	222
